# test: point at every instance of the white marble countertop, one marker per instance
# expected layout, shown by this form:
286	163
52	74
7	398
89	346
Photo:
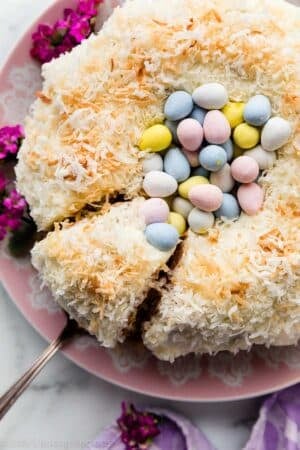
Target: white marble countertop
66	407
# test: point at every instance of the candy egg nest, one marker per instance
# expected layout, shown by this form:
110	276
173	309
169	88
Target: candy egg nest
209	155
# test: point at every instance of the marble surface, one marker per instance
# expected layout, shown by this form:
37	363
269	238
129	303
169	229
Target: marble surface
66	407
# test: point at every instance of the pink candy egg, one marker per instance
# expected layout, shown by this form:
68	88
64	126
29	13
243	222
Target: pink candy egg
206	197
244	169
155	210
250	197
190	134
216	127
192	157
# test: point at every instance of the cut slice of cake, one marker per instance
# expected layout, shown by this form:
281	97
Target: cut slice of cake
101	268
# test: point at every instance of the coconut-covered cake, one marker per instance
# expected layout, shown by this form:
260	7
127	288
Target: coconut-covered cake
178	123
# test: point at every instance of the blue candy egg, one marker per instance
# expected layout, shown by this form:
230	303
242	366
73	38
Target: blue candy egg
228	147
162	236
200	171
198	114
213	157
258	110
176	164
178	105
229	209
173	128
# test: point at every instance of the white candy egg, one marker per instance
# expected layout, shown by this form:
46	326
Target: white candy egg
275	133
159	184
152	161
223	178
264	159
182	206
199	221
210	96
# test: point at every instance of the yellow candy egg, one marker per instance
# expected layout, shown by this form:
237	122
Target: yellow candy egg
187	185
233	111
245	136
178	222
156	138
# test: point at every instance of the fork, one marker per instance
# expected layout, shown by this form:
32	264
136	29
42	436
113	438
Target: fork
69	332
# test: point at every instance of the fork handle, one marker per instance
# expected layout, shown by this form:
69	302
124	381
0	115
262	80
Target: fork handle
14	392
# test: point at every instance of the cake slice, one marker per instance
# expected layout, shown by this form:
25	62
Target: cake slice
239	285
100	269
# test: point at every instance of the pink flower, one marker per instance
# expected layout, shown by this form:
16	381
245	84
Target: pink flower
137	428
76	25
10	140
14	203
12	210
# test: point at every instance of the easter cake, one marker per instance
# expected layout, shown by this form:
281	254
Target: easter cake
186	112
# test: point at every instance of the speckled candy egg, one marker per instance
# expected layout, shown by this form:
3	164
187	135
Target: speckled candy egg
192	157
228	147
155	210
177	221
162	236
178	105
182	206
156	138
198	114
264	159
223	179
190	134
216	127
212	158
246	136
229	209
159	184
176	164
244	169
185	187
210	96
206	197
250	197
257	110
233	111
275	133
153	161
199	221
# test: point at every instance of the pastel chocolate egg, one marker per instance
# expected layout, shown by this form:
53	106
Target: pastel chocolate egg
216	127
257	110
178	105
176	164
212	158
206	197
178	222
162	236
198	114
159	184
210	96
156	138
228	147
201	172
173	128
155	210
199	221
182	206
233	112
244	169
190	134
185	187
152	161
275	133
192	157
246	136
223	179
229	209
264	159
250	197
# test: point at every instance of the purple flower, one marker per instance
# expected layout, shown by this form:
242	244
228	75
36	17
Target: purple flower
76	25
14	203
12	210
137	428
10	140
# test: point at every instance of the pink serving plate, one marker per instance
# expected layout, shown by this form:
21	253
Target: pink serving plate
223	377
